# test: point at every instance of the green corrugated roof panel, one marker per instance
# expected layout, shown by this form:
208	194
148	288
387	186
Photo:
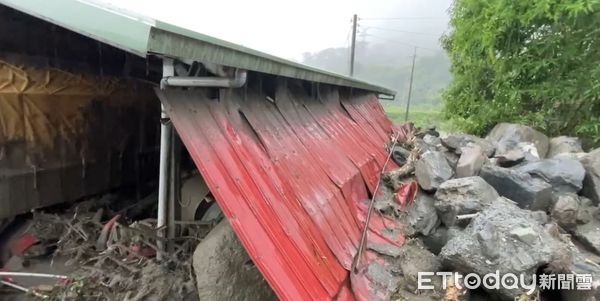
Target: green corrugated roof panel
141	36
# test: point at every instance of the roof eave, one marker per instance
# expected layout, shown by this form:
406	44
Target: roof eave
211	50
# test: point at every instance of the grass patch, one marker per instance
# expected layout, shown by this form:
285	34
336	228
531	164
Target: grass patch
421	117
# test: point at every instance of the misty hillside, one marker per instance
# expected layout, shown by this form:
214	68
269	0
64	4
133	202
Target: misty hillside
385	46
389	65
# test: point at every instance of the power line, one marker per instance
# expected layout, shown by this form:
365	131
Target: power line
404	31
401	43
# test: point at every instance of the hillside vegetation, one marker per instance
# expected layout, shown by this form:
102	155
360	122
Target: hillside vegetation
531	62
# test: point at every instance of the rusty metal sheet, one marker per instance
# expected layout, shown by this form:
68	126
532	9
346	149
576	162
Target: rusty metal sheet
293	177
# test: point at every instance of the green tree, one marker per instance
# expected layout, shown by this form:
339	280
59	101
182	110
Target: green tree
533	62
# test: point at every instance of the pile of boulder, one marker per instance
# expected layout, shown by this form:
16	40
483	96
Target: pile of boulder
515	202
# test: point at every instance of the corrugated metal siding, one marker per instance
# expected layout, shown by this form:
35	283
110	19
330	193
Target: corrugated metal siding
293	178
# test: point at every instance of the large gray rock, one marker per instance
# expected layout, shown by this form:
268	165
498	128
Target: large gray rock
457	141
434	141
507	239
463	196
526	191
565	175
564	144
565	210
470	162
589	235
432	169
581	264
510	158
438	239
507	136
422	216
224	271
585	211
591	182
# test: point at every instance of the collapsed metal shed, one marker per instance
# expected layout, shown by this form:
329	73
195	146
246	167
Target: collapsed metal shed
291	156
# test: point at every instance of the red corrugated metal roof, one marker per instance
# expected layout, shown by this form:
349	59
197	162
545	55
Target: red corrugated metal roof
293	178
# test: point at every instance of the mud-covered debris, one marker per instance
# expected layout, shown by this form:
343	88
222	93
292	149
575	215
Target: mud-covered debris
463	196
415	258
526	191
224	270
432	170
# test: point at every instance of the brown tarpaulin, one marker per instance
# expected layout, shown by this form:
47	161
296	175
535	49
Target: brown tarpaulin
51	119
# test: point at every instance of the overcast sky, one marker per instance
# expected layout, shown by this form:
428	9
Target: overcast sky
289	28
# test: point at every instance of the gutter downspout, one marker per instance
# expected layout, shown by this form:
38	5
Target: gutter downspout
163	173
170	80
237	81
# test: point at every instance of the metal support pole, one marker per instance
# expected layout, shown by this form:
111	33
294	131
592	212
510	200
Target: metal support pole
163	174
412	71
353	47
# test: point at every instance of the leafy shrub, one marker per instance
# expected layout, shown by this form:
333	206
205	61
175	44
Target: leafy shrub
532	62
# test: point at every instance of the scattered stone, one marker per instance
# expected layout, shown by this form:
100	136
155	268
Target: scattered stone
574	156
452	158
463	196
422	216
591	182
540	216
456	142
524	234
434	141
507	239
423	146
427	131
529	150
586	210
432	170
438	239
526	191
564	144
470	162
581	264
508	135
589	235
510	158
224	271
565	210
565	175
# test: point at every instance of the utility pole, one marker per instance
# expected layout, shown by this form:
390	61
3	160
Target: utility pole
412	71
352	48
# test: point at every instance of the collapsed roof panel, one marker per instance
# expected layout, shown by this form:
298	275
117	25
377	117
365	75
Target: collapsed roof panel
280	169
